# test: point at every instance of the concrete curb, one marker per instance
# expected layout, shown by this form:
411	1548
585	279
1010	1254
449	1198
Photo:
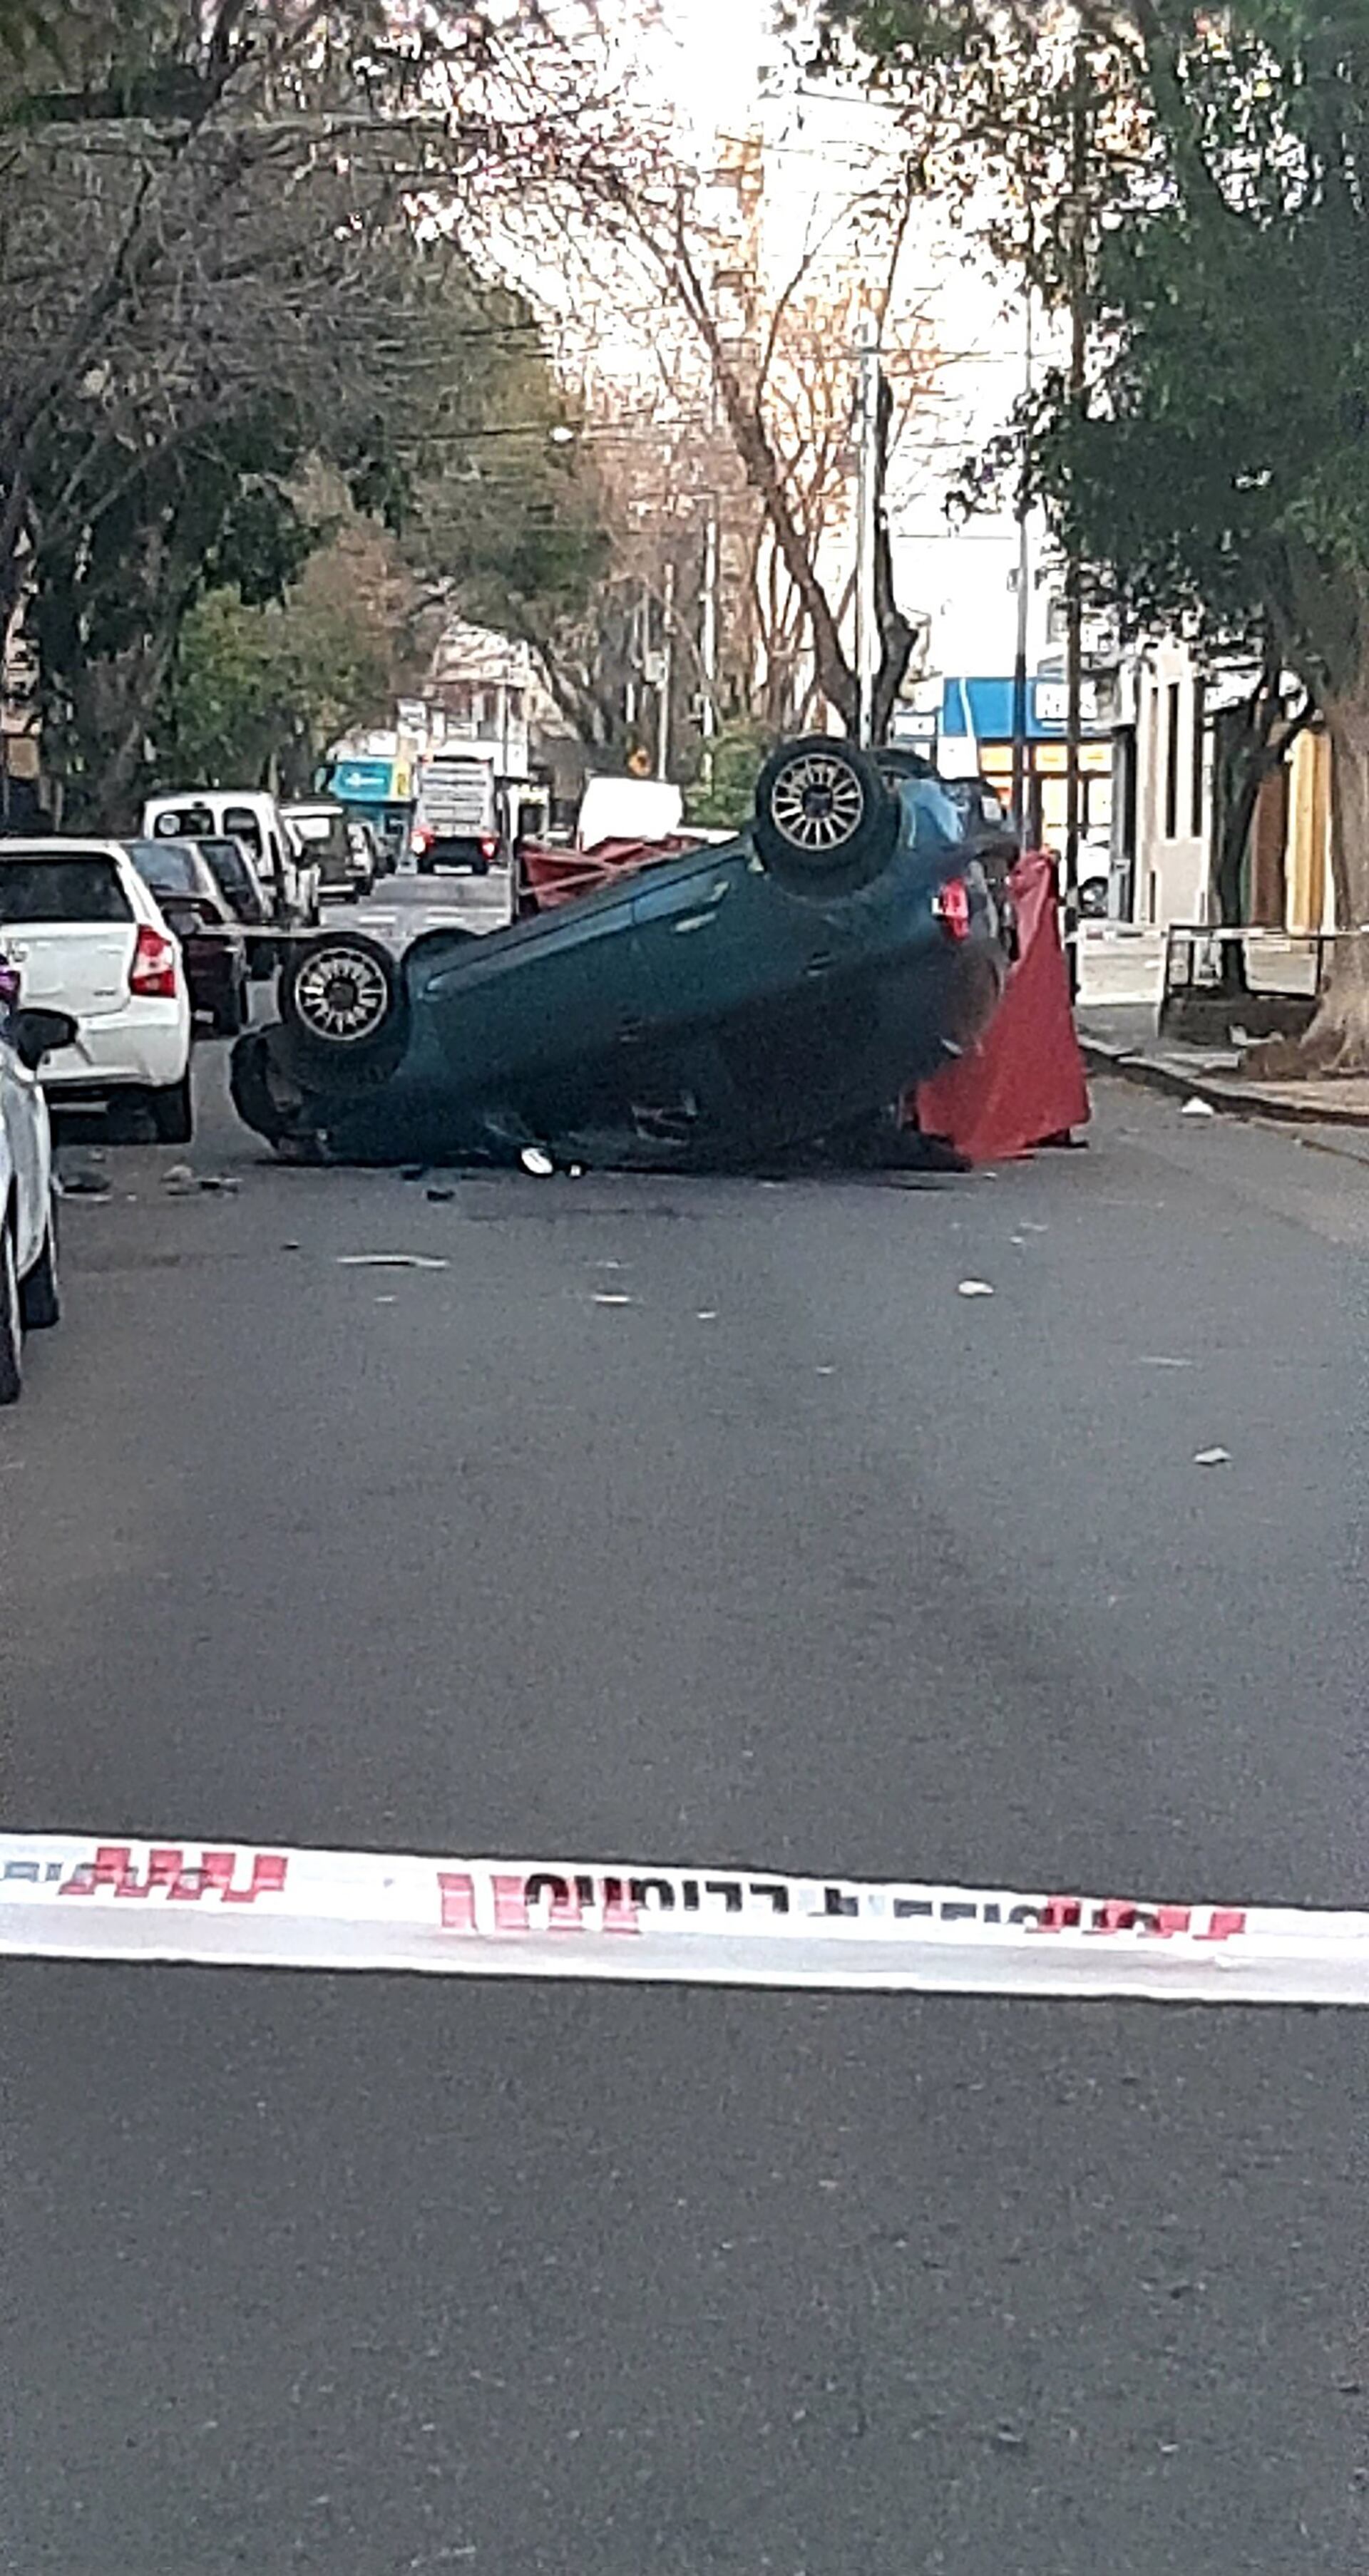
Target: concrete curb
1234	1099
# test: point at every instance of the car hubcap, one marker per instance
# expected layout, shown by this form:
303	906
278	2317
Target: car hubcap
342	995
818	803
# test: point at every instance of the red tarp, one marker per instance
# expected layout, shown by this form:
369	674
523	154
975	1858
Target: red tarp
555	877
1024	1082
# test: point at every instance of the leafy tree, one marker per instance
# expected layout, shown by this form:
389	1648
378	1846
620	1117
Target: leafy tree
1217	469
259	692
739	754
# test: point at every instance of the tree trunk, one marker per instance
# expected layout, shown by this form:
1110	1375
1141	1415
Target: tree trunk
1337	1039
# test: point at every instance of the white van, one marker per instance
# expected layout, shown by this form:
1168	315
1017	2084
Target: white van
247	815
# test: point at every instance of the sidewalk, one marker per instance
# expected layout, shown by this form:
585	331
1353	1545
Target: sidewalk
1121	1039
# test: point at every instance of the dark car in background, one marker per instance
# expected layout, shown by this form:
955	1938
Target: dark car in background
245	896
716	1007
342	853
196	910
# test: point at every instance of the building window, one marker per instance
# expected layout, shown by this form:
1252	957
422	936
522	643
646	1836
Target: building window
1196	773
1172	761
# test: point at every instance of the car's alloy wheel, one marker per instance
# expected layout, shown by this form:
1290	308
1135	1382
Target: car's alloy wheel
818	803
11	1322
826	822
341	995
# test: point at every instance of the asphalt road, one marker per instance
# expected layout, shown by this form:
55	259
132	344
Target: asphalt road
370	2275
400	908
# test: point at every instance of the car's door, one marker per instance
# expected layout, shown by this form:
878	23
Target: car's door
23	1116
565	997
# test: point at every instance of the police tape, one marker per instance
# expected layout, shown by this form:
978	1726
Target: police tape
244	1905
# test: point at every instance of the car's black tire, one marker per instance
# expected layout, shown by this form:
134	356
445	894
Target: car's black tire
11	1320
232	1016
251	1090
173	1112
40	1297
825	819
345	1010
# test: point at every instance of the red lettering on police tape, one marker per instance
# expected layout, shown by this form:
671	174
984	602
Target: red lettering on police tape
171	1875
561	1901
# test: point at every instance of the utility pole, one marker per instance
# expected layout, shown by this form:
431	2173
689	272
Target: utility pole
708	639
867	498
667	675
1024	579
1074	572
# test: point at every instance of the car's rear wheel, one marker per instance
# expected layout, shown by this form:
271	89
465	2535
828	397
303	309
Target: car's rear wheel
825	820
234	1011
343	1004
173	1112
40	1298
11	1320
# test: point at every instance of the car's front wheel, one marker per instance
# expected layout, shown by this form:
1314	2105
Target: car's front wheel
40	1298
11	1320
342	999
825	820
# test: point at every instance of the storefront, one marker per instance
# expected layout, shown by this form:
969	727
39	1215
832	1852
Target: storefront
974	730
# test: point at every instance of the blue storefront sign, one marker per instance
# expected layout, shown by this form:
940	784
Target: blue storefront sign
364	782
983	710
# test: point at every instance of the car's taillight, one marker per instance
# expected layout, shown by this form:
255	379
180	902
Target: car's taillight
420	839
489	846
153	972
951	904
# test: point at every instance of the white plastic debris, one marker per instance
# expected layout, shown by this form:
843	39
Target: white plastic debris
180	1177
1211	1457
611	1297
974	1288
1196	1108
536	1160
389	1261
707	1315
1160	1359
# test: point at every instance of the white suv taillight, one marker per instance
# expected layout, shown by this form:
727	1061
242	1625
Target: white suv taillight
489	846
420	840
153	972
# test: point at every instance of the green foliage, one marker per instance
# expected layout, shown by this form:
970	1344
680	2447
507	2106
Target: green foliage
739	753
261	691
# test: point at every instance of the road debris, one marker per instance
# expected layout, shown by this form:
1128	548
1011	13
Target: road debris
440	1197
84	1185
1159	1359
974	1288
1196	1108
536	1160
1211	1457
706	1315
389	1261
610	1297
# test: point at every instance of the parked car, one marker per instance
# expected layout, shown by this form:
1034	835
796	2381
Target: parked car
249	816
88	938
30	1295
341	852
721	1005
245	896
196	908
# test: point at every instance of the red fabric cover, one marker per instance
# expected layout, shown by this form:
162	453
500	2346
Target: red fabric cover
1025	1080
554	877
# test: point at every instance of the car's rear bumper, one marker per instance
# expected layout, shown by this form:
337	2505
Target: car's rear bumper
151	1050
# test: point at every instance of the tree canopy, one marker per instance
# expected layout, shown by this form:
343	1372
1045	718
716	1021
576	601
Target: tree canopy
1209	172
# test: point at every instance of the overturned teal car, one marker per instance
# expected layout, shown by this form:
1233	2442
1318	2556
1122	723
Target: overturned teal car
710	1010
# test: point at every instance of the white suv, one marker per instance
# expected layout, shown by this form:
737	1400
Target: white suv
86	937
